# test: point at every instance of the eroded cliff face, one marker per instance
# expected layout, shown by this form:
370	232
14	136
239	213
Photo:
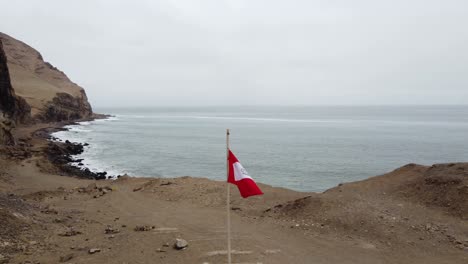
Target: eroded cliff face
13	108
48	93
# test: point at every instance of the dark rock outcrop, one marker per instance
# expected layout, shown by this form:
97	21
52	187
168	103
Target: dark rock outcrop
11	106
65	107
60	154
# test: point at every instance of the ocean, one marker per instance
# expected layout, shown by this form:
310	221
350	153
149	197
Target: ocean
301	148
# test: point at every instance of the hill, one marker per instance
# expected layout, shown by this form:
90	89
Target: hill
49	93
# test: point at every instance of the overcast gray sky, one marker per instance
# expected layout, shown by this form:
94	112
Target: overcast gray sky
244	52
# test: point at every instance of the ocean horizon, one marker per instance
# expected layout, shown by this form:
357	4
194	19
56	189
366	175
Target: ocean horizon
304	148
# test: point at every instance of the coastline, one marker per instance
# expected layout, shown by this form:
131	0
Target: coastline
414	214
63	153
311	157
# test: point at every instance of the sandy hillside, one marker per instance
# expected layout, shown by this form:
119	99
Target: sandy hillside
36	80
415	214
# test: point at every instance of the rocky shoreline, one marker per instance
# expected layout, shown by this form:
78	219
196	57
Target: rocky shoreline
60	153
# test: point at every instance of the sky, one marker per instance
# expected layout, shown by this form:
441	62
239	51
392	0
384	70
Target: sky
252	52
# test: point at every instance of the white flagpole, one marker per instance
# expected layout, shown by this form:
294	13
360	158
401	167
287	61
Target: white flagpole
228	200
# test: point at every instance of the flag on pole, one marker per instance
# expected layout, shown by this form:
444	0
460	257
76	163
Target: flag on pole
238	176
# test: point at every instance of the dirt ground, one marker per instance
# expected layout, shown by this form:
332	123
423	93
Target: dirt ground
415	214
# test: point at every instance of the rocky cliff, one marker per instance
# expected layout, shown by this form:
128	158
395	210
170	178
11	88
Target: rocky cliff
48	93
13	108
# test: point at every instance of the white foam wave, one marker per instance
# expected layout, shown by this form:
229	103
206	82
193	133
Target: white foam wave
324	121
271	119
78	129
236	118
97	166
110	118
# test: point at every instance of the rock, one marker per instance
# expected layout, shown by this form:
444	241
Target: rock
160	250
111	230
12	106
144	228
137	189
94	250
71	232
180	244
49	211
91	187
66	257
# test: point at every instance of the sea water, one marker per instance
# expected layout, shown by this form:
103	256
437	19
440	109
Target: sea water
301	148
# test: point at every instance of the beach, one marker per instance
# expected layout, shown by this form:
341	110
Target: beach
414	214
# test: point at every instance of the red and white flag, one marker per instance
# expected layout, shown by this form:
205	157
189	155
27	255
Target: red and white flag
238	176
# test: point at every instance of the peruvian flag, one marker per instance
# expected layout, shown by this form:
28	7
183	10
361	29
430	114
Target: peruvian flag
238	176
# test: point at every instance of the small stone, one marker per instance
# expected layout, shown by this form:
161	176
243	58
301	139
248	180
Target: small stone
71	232
160	250
91	187
143	228
66	257
111	230
94	250
180	244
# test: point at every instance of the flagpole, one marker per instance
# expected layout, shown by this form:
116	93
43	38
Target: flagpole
228	200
